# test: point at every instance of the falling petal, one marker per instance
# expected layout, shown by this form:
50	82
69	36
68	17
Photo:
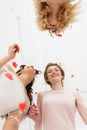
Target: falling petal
77	89
9	76
22	106
72	75
14	64
59	35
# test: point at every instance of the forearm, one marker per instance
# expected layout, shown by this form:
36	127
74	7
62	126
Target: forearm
81	107
4	60
38	122
13	121
38	126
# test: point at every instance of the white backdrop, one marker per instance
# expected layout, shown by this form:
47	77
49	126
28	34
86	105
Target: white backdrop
17	24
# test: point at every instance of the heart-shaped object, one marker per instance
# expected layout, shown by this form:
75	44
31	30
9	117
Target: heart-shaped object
22	106
9	76
59	35
14	64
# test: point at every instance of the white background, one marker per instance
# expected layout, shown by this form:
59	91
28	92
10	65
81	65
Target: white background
17	24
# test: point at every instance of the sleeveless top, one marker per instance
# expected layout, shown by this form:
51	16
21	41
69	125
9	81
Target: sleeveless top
58	110
11	92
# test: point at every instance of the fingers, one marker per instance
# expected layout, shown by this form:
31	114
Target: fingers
34	105
12	50
16	48
34	111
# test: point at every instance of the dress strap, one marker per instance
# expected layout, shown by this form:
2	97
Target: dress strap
15	118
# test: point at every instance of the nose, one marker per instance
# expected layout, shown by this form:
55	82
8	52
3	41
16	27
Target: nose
31	67
53	22
52	26
53	71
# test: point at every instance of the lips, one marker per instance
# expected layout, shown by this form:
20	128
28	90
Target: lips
55	75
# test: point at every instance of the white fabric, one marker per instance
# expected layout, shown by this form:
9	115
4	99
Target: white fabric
11	93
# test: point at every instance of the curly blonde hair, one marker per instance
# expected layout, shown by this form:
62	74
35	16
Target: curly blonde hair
66	14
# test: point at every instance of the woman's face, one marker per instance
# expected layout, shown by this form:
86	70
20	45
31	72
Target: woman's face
54	74
53	20
29	71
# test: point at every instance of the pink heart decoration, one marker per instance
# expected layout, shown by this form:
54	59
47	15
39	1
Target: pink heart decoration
9	76
14	64
22	106
59	35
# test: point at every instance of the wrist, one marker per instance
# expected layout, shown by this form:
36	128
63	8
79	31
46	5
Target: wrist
8	58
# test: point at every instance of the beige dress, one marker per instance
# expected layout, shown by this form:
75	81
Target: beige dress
58	111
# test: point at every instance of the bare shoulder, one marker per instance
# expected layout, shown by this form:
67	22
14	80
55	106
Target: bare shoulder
40	97
77	96
42	94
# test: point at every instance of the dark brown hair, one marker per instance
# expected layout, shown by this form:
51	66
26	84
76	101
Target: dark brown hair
29	86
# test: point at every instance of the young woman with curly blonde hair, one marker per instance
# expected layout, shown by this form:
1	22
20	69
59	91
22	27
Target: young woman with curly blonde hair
56	15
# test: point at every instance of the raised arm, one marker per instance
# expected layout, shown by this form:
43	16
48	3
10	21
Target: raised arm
12	50
81	107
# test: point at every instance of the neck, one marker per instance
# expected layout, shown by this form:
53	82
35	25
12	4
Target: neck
24	80
57	86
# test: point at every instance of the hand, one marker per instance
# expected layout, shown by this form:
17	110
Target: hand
34	112
16	48
12	50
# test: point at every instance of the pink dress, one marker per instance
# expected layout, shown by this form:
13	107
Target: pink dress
58	111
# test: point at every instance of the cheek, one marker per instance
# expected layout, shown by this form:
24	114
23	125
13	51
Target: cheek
48	77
